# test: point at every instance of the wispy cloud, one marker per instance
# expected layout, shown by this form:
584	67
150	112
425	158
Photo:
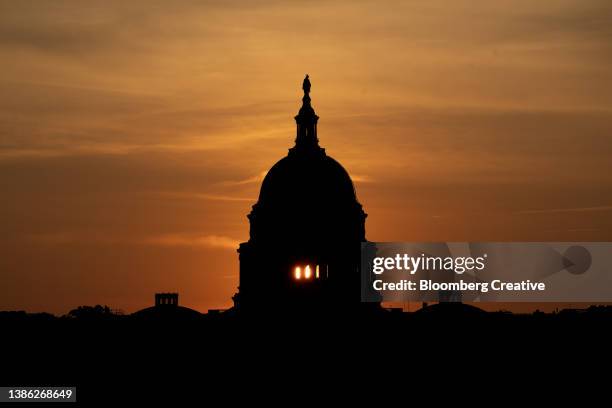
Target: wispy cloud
258	178
171	240
57	238
361	178
213	241
564	210
202	196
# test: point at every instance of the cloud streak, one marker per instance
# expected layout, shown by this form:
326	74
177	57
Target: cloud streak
164	240
193	240
568	210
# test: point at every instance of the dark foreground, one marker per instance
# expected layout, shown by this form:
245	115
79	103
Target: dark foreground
112	358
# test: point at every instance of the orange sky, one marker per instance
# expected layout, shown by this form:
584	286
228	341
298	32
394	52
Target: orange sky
133	137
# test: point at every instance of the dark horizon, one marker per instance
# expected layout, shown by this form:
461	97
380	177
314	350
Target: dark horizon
134	139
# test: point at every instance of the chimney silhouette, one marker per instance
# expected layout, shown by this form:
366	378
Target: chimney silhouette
166	299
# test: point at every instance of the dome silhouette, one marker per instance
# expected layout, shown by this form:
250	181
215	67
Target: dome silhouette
306	229
178	313
447	309
166	309
306	192
295	178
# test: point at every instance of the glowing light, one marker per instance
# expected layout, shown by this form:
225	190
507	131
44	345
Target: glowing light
307	272
317	272
298	273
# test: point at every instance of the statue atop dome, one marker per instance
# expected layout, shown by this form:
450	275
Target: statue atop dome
306	85
306	121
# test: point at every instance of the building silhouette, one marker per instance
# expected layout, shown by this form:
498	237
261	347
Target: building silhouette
166	299
305	230
167	309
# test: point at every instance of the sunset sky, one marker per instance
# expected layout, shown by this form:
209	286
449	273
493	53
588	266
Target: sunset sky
134	135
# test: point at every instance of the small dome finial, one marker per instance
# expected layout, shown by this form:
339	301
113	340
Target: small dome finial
306	85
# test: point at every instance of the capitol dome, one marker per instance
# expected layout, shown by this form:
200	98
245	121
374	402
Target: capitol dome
296	178
306	228
306	196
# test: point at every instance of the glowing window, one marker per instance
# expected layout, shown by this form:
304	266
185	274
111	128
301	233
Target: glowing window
307	272
297	273
317	272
